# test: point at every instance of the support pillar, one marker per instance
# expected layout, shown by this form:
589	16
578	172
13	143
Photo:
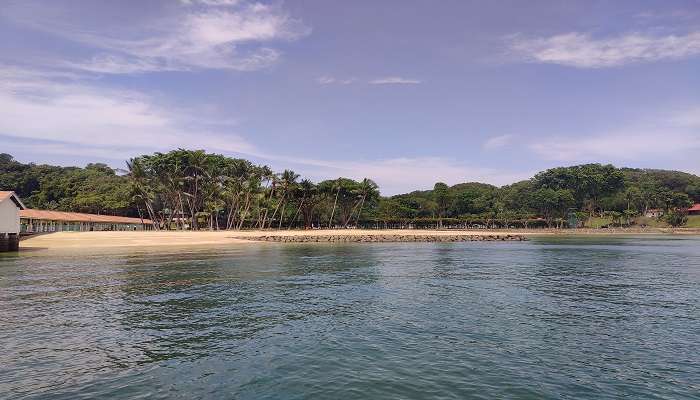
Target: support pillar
13	242
4	242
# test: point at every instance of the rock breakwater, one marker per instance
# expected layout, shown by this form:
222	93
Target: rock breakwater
377	238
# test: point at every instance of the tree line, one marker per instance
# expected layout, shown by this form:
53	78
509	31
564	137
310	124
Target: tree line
554	197
185	189
193	189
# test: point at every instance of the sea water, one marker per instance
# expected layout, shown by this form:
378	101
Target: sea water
572	318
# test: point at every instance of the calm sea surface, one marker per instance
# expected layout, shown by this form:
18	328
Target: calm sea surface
574	318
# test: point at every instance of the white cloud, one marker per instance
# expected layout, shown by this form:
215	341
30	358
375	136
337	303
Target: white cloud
391	80
689	118
497	142
582	51
76	114
675	136
115	64
329	80
399	175
325	80
219	34
394	80
402	174
618	146
50	114
211	2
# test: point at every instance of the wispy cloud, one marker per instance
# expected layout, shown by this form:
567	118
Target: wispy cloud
80	117
329	80
69	113
583	51
399	175
212	2
403	174
497	142
621	146
394	80
674	136
216	34
689	118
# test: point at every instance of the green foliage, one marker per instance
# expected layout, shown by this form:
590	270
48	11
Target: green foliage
93	189
693	191
441	196
194	189
676	218
587	183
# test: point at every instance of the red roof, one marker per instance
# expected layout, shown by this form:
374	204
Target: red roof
696	207
79	217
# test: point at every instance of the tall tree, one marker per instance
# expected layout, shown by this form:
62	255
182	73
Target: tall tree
441	195
367	190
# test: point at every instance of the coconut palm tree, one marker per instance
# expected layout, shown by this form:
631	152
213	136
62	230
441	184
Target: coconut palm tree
306	192
366	190
287	181
142	187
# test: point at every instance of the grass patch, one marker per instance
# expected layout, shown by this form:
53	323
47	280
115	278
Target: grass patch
651	222
597	222
693	221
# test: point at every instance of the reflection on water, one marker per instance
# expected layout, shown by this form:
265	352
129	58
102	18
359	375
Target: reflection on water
552	318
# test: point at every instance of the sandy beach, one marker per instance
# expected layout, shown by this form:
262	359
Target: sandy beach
83	240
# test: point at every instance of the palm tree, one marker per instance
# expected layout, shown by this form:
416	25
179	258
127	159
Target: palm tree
305	192
287	181
337	185
367	190
141	187
269	181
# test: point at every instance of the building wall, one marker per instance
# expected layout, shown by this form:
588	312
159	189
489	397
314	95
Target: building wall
39	225
9	217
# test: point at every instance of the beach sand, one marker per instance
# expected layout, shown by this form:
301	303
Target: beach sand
82	240
87	240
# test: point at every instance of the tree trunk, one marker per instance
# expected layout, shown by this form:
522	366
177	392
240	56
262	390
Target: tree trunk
264	219
282	216
230	218
359	212
333	211
296	215
245	211
277	208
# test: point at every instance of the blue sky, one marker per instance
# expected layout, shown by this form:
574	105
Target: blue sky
405	92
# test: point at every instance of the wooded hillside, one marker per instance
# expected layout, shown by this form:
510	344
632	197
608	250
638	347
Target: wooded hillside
185	189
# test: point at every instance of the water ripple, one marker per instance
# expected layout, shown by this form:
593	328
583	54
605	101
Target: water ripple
552	318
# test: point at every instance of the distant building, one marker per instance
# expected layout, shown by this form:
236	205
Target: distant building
38	221
10	207
694	210
654	213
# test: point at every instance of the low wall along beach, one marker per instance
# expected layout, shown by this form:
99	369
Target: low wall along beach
368	238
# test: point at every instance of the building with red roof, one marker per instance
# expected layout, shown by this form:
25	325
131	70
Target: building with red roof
34	221
694	210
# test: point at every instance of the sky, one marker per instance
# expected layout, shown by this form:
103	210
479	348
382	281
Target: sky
405	92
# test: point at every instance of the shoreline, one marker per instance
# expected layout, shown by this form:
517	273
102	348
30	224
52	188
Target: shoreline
112	239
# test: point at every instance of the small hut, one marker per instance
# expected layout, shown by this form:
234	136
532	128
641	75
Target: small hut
10	206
